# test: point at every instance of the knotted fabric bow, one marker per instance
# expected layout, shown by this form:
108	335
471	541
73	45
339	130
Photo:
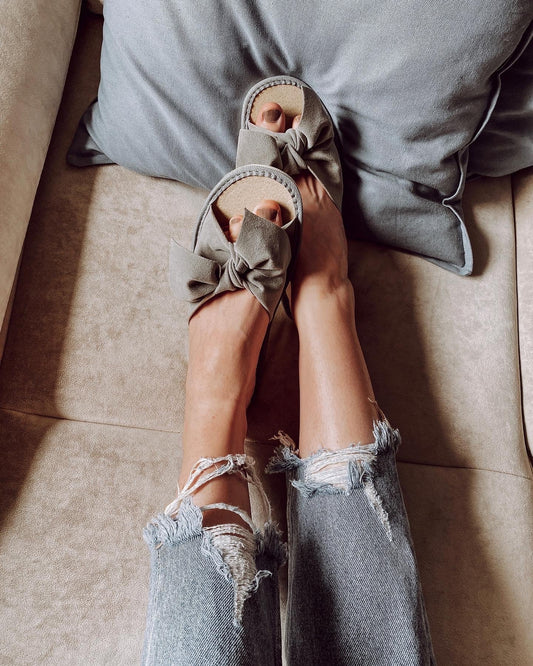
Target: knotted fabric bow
257	261
308	147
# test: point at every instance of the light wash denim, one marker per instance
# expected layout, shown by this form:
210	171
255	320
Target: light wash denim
354	594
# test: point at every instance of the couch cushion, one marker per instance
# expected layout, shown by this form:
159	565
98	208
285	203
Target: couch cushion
97	336
82	247
409	87
473	531
443	352
36	39
74	498
77	569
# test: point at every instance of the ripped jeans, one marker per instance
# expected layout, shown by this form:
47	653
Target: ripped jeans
354	594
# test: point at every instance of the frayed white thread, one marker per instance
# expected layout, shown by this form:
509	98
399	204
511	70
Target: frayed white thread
327	469
232	547
377	504
286	440
237	547
332	468
199	476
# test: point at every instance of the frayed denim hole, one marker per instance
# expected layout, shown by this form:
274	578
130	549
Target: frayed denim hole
386	438
234	552
284	459
164	530
342	471
233	549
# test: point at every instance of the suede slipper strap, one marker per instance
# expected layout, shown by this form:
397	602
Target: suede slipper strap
310	146
257	261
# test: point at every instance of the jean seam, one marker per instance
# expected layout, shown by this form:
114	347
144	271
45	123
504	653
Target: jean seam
157	586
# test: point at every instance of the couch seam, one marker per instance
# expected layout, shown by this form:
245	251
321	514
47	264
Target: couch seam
477	469
177	432
102	423
520	375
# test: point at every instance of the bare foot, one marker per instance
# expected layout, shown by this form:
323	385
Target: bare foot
267	208
323	256
272	117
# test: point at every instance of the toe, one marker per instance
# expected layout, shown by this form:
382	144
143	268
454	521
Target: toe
234	228
270	210
266	208
271	117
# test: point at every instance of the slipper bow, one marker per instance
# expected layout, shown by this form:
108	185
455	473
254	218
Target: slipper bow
257	261
308	147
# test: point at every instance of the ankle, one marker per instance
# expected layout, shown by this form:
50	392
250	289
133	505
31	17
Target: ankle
317	296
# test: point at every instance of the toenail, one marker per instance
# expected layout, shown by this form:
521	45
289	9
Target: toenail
271	115
268	213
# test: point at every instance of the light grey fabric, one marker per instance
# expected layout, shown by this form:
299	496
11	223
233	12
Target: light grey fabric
214	595
310	146
257	261
506	143
354	591
409	85
190	607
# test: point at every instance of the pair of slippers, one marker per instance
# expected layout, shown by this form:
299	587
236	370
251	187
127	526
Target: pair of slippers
263	257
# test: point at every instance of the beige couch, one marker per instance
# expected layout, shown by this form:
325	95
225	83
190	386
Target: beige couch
92	378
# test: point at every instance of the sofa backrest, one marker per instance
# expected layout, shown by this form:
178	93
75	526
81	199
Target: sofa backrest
36	40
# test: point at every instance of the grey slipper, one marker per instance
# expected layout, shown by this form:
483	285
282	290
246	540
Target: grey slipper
261	260
308	147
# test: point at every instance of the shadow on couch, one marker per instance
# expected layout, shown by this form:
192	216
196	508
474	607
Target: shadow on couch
51	256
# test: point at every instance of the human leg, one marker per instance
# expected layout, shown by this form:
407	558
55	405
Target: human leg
354	590
213	588
355	594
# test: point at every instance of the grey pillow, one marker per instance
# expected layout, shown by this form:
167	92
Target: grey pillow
409	85
506	143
